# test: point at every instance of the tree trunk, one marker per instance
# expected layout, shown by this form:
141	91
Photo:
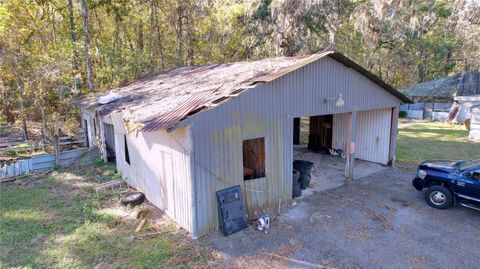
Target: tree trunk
449	61
140	42
190	35
57	142
159	39
158	47
73	36
86	32
24	124
191	61
42	131
421	67
179	28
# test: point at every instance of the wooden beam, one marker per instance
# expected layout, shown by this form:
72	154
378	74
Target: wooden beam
350	144
109	185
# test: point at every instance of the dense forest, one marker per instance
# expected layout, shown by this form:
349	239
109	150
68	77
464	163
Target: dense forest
54	50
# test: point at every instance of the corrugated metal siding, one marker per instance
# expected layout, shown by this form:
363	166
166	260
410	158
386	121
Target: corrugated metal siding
475	123
373	134
16	169
90	128
339	130
268	111
47	161
159	167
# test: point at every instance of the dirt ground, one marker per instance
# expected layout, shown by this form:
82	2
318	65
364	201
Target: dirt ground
379	221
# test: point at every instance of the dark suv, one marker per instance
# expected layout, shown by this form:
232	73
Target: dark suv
449	182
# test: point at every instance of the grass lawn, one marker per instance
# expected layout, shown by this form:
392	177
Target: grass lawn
434	140
404	120
59	221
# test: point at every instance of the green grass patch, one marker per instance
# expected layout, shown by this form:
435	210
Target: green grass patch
404	120
59	221
434	140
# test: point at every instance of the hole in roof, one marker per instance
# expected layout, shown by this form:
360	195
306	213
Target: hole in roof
218	100
237	91
194	111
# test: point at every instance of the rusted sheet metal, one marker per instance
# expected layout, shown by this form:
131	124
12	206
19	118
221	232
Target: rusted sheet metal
169	119
161	99
293	67
153	100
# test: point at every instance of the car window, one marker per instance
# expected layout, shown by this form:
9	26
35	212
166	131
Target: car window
476	174
466	165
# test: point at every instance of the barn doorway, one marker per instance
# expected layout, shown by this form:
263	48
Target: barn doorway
109	142
326	146
316	132
320	137
313	142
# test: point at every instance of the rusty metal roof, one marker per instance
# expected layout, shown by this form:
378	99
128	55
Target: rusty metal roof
160	101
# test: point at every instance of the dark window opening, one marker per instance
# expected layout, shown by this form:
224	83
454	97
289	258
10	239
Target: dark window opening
85	123
254	158
127	155
94	128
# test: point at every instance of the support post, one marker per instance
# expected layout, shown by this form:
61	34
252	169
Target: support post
350	144
393	136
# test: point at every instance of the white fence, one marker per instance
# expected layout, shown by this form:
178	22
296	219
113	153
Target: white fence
431	111
415	114
44	162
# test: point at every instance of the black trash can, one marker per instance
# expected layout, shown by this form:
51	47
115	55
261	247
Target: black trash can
304	167
296	190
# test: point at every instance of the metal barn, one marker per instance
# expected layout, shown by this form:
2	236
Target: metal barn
184	134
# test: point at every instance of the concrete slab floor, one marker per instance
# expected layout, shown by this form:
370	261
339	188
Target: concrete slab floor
329	171
379	221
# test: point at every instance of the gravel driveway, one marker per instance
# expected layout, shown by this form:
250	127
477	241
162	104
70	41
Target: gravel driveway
379	221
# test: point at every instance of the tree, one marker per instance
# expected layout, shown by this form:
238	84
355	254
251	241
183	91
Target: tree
86	33
74	37
402	41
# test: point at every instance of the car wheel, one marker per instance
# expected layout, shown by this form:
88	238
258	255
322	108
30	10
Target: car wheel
439	197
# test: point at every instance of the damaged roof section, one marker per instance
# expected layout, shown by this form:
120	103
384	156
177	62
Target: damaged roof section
160	101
